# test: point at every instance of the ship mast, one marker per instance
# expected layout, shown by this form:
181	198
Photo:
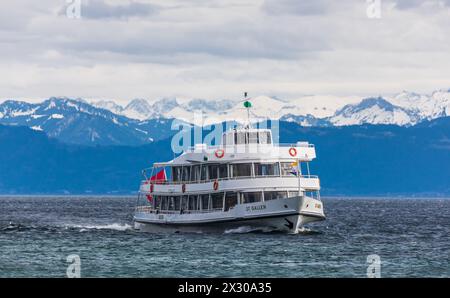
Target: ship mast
247	105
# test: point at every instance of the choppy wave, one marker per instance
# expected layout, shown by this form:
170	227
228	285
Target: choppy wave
113	226
11	227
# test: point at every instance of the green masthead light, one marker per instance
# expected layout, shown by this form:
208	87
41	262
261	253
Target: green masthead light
247	104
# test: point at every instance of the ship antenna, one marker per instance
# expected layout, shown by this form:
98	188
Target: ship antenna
247	105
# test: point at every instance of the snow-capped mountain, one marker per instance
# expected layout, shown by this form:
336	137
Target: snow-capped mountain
76	121
405	108
201	111
177	108
141	121
374	111
138	109
109	105
425	106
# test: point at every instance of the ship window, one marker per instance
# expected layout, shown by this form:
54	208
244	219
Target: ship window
267	169
199	203
253	138
223	171
204	173
213	171
195	173
230	200
242	170
273	195
186	173
193	202
177	203
164	204
288	169
157	202
176	172
251	197
292	194
205	202
172	203
217	200
241	138
313	194
229	138
264	137
184	202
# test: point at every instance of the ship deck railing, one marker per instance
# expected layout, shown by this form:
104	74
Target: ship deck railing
227	178
150	209
213	147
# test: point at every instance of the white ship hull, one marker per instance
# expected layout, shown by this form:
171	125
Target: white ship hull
285	215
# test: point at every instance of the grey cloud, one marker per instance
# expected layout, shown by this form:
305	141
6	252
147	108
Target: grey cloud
411	4
234	42
281	45
296	7
99	9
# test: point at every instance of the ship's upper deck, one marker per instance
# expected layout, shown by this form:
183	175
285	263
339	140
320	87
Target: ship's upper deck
247	136
244	145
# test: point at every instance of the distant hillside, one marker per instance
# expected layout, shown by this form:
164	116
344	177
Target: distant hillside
352	160
77	122
31	163
380	159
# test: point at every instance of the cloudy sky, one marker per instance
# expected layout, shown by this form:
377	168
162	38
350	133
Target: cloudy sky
217	49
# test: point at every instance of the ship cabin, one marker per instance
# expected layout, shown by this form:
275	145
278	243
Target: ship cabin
246	167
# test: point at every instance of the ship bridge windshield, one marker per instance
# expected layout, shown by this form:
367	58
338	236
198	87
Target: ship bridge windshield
240	137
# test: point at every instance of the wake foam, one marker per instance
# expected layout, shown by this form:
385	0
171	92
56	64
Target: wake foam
249	229
113	226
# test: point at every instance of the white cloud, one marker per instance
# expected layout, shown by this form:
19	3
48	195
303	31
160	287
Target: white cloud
218	49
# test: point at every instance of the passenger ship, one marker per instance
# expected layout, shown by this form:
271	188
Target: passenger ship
247	183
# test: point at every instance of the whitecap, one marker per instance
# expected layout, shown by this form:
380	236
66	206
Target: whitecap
113	226
249	229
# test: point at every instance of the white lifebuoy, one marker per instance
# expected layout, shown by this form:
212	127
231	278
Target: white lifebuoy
292	152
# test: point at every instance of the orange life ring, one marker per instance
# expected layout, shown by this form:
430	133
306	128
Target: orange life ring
151	187
183	188
219	153
216	185
292	152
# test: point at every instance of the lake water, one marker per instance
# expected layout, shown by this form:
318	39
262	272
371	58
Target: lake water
411	237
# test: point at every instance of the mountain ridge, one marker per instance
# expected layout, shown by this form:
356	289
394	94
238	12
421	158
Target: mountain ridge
78	122
140	122
405	108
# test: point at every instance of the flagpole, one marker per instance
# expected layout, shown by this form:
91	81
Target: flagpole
299	172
